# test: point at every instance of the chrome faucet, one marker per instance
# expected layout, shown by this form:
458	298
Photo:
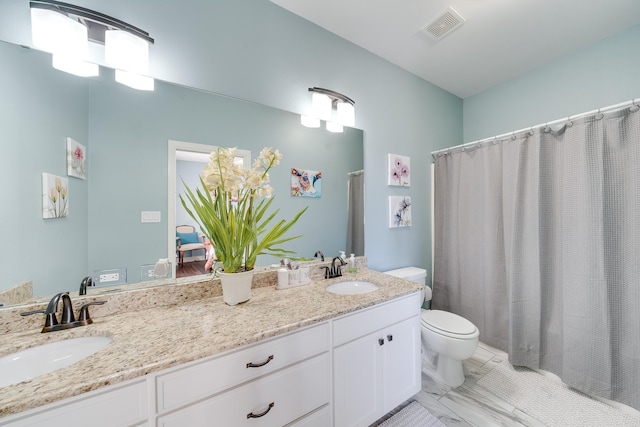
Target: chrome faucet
68	319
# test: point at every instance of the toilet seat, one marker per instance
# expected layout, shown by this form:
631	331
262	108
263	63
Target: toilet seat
448	324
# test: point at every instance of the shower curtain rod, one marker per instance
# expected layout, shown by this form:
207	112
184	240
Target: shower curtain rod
567	119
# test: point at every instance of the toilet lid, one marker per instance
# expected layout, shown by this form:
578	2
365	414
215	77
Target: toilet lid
448	322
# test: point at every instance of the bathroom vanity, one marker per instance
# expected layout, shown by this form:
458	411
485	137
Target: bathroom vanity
294	357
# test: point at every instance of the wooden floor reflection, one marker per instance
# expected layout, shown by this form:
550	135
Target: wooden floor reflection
193	268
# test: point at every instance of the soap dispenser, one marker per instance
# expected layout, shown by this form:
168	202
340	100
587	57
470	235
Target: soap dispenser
352	264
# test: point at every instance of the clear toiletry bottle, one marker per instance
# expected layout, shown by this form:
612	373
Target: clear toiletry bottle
352	264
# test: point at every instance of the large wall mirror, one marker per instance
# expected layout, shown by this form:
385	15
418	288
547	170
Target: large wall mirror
126	135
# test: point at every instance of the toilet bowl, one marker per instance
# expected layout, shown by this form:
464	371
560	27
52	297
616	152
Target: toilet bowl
447	339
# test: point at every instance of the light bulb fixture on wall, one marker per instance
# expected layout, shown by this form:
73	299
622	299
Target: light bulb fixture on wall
336	109
65	31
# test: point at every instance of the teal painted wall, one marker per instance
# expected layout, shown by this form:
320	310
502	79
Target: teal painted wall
257	51
603	74
33	141
254	50
130	137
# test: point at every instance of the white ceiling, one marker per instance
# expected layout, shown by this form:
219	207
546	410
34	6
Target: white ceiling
501	39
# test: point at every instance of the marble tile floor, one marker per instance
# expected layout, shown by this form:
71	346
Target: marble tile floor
470	404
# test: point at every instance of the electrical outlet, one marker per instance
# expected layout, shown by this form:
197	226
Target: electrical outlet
111	277
150	272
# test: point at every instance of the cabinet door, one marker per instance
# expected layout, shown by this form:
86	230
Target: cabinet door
402	373
358	381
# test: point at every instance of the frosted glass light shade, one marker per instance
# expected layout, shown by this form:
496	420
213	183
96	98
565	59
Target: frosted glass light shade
75	66
310	122
135	81
334	127
321	106
127	52
346	114
56	33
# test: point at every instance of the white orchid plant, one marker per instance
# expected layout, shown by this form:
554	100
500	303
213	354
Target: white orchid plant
231	209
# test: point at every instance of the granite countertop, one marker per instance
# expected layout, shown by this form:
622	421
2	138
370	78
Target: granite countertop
151	339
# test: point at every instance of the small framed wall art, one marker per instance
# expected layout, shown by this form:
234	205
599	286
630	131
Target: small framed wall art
398	170
76	159
306	183
399	211
55	196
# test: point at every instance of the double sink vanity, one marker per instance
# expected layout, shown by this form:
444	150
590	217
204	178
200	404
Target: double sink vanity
177	355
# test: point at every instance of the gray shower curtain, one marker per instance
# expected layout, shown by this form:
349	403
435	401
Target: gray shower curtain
537	241
355	220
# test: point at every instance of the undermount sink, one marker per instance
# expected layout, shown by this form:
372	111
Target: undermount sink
352	287
27	364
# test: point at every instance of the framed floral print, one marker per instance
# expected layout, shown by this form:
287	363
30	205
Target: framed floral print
399	211
76	159
398	171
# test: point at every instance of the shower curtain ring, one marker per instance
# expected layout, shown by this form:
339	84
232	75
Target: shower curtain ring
599	115
569	122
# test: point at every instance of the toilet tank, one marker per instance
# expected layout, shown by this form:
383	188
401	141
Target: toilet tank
414	274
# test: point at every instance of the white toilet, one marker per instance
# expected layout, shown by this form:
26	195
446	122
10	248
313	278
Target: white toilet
447	339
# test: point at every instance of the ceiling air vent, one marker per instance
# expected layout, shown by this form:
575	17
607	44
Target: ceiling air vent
445	24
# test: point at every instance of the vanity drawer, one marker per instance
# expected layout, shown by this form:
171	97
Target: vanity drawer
112	406
275	400
183	386
320	418
369	320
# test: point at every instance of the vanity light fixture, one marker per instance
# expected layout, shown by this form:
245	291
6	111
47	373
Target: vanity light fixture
65	39
336	109
334	127
65	30
135	81
310	122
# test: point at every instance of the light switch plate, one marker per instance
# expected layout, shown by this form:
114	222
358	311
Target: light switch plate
150	216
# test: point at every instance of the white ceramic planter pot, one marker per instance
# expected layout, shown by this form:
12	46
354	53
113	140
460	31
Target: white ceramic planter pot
236	287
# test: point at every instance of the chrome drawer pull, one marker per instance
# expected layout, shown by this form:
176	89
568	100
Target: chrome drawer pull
262	414
257	365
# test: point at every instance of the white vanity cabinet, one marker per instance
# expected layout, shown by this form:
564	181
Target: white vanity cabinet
273	383
376	360
118	405
342	372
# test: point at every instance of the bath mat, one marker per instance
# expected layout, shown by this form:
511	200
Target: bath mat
412	415
549	401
